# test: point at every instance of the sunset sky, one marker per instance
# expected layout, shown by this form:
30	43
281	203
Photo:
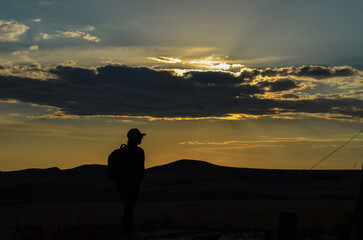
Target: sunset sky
258	84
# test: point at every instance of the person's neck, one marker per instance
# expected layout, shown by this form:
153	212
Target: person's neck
131	144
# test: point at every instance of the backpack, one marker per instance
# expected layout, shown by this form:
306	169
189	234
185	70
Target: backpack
118	164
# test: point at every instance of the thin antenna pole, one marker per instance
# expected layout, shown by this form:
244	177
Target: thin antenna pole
337	149
355	164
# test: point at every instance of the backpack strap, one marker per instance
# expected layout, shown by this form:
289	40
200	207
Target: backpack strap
123	146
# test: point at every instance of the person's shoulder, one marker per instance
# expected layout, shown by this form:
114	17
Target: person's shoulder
140	149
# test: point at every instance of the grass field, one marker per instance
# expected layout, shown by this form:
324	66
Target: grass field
236	218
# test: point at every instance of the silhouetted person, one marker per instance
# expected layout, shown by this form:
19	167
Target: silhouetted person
129	186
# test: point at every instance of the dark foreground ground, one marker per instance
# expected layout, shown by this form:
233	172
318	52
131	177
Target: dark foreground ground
180	200
232	219
184	180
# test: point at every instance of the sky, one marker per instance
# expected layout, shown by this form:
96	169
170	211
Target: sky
256	84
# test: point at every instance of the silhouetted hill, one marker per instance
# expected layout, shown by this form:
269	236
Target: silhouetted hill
180	180
201	180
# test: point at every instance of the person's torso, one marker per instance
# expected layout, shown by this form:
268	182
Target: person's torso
135	163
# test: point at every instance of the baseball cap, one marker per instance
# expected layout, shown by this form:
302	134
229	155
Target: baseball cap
134	133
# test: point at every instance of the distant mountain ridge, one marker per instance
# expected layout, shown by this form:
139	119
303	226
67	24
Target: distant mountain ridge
180	180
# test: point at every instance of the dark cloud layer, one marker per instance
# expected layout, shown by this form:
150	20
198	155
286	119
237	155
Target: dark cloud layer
122	90
279	85
317	72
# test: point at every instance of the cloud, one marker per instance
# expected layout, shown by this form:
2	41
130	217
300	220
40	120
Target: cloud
20	52
90	28
274	142
44	36
69	63
10	31
26	52
79	34
70	34
34	48
117	90
32	71
279	85
214	62
165	59
317	72
91	38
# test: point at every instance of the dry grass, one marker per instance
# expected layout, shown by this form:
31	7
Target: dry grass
102	220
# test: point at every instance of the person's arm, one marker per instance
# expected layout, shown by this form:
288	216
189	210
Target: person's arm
142	164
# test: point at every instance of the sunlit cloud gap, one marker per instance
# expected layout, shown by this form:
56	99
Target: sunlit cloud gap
165	59
211	62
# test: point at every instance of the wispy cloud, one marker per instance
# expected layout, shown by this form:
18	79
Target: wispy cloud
69	34
47	130
44	36
90	28
210	146
165	59
25	52
79	34
34	48
273	140
91	38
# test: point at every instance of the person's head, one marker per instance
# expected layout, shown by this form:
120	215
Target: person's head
135	136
